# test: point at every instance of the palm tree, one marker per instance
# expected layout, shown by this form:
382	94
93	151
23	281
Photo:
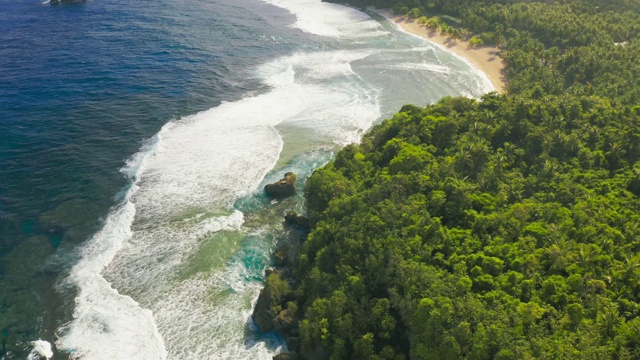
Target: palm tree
630	268
608	318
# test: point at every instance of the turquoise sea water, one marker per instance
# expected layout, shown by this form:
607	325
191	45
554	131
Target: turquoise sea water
135	139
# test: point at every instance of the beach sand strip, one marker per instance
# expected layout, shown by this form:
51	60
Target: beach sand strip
483	58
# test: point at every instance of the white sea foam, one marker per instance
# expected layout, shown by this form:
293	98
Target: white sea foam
102	315
41	350
339	106
422	67
332	20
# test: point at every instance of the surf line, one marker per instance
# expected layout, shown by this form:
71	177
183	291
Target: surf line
121	322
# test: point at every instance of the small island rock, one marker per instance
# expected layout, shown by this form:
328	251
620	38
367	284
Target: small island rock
283	187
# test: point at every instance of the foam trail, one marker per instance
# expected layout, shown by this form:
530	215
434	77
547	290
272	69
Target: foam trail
132	331
423	67
41	350
331	20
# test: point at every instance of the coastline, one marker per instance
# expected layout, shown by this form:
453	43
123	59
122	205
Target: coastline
484	59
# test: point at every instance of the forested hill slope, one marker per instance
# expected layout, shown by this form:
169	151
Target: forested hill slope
504	228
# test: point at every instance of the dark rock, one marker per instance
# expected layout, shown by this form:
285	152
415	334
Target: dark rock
262	315
281	255
317	353
283	187
286	356
293	343
269	271
270	302
294	219
285	321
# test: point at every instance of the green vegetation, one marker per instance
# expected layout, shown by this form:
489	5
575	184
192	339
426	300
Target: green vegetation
476	41
504	228
478	230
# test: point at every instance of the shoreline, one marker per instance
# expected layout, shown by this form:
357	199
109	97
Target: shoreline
484	59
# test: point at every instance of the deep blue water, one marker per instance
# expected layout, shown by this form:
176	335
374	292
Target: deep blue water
81	86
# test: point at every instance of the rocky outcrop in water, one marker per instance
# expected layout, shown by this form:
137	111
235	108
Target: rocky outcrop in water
271	302
276	308
283	187
292	218
281	255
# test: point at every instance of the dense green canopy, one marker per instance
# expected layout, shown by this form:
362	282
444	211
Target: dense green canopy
504	228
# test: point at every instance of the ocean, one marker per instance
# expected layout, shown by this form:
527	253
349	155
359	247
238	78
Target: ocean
135	140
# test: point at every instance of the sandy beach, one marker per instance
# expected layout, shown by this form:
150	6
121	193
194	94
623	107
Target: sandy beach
482	58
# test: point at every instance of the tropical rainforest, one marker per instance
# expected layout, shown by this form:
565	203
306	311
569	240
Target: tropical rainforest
506	227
